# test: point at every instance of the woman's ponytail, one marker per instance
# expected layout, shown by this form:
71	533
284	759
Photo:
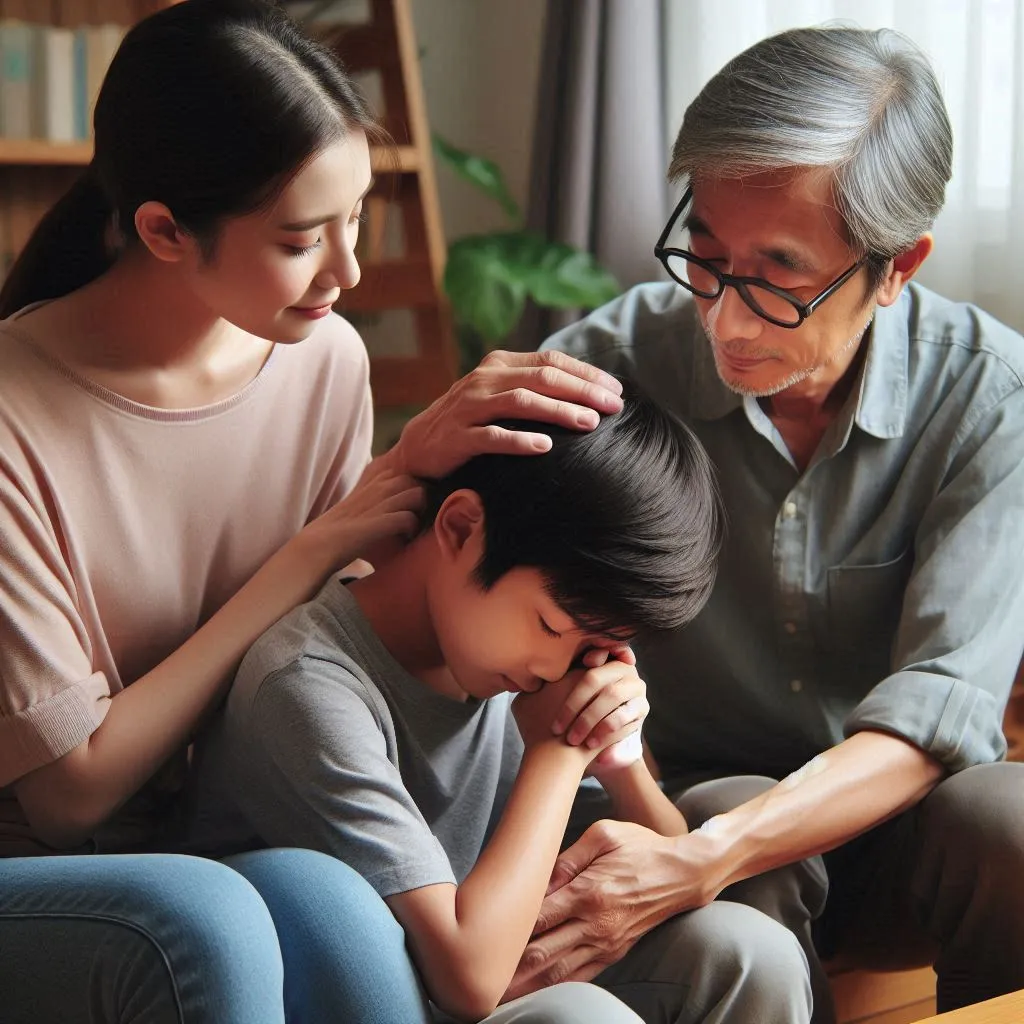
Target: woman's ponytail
68	249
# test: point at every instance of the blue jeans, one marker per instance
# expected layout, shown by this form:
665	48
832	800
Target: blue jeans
166	939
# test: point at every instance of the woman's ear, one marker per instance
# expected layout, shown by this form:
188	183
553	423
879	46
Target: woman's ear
902	268
160	234
459	526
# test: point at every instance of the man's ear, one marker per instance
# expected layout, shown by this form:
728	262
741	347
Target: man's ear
160	234
902	268
459	525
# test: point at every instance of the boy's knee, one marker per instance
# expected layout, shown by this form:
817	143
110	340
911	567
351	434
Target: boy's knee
717	796
748	944
568	1003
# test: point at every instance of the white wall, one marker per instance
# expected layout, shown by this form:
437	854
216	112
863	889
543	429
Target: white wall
480	61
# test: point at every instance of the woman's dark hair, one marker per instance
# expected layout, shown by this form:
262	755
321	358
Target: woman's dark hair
210	107
625	522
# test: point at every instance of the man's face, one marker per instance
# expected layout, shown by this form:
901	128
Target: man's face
782	227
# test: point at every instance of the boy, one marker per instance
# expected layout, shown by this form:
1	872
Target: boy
377	723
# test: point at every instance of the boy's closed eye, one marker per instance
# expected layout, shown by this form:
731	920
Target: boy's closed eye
549	630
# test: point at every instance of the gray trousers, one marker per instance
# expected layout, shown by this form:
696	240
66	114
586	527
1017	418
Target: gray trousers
568	1003
942	884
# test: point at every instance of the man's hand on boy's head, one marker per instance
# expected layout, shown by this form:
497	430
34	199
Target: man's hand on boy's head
548	387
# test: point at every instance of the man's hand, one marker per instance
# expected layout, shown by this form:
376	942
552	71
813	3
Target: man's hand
607	891
550	387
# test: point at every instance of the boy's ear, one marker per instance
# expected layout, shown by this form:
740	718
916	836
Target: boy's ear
459	523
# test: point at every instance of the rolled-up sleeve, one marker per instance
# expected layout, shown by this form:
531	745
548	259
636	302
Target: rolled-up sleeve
961	630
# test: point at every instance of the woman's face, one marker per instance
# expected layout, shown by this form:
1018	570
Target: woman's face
277	271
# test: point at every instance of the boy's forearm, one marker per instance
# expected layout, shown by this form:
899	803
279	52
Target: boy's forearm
636	797
496	907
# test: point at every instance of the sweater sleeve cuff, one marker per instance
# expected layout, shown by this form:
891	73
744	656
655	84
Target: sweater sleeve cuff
46	731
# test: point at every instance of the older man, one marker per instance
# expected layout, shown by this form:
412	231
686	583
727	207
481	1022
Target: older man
832	720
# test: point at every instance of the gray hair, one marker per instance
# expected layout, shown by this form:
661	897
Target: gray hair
865	104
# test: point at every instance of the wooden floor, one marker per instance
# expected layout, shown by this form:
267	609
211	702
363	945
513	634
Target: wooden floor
902	997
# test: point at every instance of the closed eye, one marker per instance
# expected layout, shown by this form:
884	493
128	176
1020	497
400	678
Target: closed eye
547	629
303	250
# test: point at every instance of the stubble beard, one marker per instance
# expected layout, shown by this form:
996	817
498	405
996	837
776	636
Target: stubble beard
797	377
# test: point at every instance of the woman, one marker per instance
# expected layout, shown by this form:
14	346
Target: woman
184	457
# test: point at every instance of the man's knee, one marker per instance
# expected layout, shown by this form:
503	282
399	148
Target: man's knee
976	818
707	799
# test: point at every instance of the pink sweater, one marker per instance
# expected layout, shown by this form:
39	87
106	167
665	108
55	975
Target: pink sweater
123	528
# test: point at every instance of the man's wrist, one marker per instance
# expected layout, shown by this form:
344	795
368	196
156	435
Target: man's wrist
720	844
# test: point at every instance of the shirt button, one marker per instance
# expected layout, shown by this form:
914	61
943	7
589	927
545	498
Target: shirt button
790	628
796	685
789	509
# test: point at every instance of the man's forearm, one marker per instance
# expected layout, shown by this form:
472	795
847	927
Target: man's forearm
840	794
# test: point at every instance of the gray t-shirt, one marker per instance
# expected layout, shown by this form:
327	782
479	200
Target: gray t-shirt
327	743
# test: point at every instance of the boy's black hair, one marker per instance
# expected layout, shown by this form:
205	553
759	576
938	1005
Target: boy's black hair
625	522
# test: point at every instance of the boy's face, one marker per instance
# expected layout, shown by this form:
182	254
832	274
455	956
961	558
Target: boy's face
512	637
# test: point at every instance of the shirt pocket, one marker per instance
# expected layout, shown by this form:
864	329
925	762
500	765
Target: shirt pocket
864	604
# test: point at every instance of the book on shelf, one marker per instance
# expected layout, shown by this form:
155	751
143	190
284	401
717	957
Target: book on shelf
53	84
17	55
50	77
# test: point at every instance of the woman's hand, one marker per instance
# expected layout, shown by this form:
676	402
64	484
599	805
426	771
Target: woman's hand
383	506
550	387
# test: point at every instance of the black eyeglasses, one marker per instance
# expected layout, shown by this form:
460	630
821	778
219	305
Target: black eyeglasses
703	278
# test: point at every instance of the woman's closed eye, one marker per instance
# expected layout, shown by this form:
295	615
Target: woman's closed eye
303	250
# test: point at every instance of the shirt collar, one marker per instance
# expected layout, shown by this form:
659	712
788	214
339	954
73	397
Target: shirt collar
881	392
882	404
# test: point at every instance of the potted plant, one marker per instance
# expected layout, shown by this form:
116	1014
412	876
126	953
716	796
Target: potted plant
488	277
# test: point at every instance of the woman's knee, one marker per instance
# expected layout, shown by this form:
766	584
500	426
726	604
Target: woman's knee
344	953
306	887
156	937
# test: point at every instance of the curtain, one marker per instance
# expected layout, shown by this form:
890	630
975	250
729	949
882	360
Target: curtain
598	162
977	50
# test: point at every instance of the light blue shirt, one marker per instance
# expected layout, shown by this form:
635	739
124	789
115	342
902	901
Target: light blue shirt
880	588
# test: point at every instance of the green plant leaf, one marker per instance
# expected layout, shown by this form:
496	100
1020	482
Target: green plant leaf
483	173
488	278
484	294
568	278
